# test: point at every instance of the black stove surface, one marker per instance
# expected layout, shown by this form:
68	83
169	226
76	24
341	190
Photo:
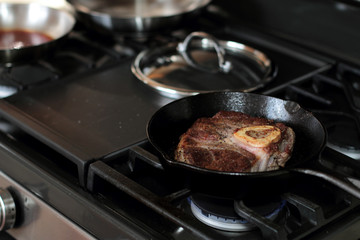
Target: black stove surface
78	140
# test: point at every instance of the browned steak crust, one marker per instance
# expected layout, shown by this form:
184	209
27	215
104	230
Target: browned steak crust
210	143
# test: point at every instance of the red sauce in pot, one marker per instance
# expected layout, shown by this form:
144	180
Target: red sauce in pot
10	39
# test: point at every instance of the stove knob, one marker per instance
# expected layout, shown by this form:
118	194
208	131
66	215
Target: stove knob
7	210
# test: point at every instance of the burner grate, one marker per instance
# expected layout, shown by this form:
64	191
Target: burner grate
77	55
307	210
328	95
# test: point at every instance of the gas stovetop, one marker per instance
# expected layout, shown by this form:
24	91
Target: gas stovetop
75	135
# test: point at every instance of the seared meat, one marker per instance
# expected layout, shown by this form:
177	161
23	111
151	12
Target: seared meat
236	142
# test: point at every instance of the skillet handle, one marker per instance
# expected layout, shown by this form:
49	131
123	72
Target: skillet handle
347	186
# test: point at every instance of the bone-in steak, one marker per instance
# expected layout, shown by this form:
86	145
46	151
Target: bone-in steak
236	142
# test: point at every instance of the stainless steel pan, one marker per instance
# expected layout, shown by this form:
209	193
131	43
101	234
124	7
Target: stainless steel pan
54	18
135	16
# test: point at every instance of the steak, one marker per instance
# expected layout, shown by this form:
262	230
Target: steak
236	142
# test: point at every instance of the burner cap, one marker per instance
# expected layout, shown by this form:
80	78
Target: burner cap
219	212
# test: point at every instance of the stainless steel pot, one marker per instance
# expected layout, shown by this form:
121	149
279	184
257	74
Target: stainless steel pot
135	16
54	18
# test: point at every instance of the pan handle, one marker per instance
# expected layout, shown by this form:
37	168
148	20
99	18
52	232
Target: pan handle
224	66
347	186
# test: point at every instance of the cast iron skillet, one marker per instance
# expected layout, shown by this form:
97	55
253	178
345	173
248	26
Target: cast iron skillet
170	121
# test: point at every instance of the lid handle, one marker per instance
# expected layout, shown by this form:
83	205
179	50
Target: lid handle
224	66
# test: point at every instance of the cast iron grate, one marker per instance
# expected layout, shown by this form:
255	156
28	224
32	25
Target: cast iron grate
308	209
333	97
78	54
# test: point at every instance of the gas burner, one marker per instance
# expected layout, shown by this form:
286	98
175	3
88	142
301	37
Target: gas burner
219	212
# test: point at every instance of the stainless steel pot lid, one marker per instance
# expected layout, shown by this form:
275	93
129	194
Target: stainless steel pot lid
201	64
